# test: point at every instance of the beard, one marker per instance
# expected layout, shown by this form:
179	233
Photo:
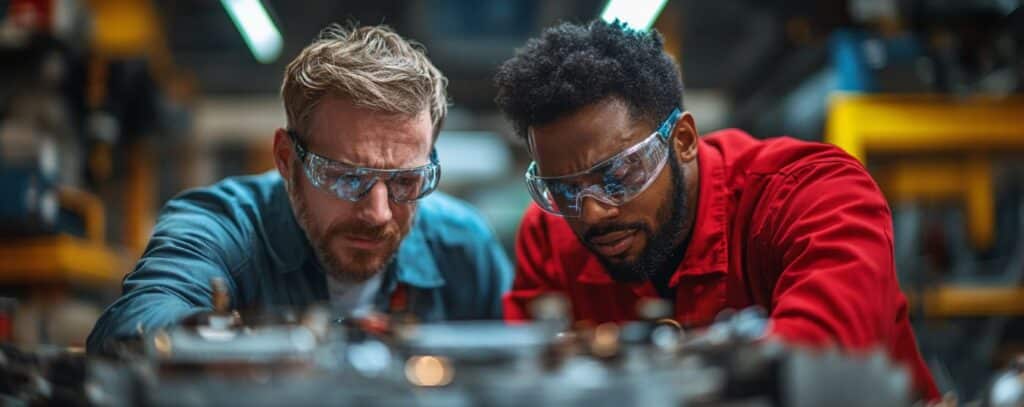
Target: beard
664	249
352	266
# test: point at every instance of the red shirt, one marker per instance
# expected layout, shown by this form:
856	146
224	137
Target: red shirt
798	228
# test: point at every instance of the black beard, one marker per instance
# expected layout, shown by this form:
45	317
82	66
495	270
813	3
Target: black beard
665	249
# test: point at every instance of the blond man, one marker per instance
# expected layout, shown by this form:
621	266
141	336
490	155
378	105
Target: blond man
350	217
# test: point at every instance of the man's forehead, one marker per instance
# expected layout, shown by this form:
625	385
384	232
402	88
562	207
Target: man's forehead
584	138
597	120
336	113
364	137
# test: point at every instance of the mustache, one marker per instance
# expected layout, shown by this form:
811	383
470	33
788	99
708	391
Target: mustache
364	231
599	230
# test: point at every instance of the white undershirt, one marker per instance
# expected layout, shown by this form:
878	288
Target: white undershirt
352	299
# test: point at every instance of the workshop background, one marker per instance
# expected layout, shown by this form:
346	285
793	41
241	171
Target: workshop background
108	108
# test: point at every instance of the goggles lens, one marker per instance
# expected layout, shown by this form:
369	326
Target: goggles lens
353	183
615	181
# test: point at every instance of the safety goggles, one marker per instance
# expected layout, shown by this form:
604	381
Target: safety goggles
353	183
614	181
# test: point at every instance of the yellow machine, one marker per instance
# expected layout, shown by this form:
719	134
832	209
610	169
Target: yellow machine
938	148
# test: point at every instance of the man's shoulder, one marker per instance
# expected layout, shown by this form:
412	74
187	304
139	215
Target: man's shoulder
234	205
236	190
742	153
243	217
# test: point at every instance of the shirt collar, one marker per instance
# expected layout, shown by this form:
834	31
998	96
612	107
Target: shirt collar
290	250
706	251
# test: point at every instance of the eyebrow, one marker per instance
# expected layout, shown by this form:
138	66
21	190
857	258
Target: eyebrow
342	162
302	144
611	158
349	164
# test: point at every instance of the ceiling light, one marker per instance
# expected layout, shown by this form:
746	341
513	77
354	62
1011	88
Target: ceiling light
256	27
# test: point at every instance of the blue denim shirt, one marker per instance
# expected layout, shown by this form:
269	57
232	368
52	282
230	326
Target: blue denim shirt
243	230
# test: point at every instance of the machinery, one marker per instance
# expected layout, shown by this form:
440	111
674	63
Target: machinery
85	90
305	358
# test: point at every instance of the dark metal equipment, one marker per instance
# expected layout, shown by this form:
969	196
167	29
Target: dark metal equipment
312	360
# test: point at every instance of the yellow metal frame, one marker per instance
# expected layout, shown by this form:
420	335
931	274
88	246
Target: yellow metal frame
969	181
89	206
974	128
60	259
970	301
140	198
863	124
132	29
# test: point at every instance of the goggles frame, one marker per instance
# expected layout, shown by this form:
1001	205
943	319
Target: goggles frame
363	178
610	190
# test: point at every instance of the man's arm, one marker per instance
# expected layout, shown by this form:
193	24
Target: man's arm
192	243
534	266
832	237
831	234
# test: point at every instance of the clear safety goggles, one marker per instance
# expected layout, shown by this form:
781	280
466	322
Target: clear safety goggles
353	183
614	181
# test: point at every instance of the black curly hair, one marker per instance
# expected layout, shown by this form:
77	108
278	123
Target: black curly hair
571	66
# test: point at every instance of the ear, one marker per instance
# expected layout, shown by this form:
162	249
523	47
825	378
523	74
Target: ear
284	153
685	136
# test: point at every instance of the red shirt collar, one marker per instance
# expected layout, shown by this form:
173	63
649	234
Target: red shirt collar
707	251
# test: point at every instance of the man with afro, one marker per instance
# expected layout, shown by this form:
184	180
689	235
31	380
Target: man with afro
631	202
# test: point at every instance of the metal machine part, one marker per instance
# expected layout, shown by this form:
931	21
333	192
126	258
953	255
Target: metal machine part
470	363
304	359
1007	388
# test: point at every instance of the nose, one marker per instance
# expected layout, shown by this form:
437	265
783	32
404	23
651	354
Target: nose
375	207
595	212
